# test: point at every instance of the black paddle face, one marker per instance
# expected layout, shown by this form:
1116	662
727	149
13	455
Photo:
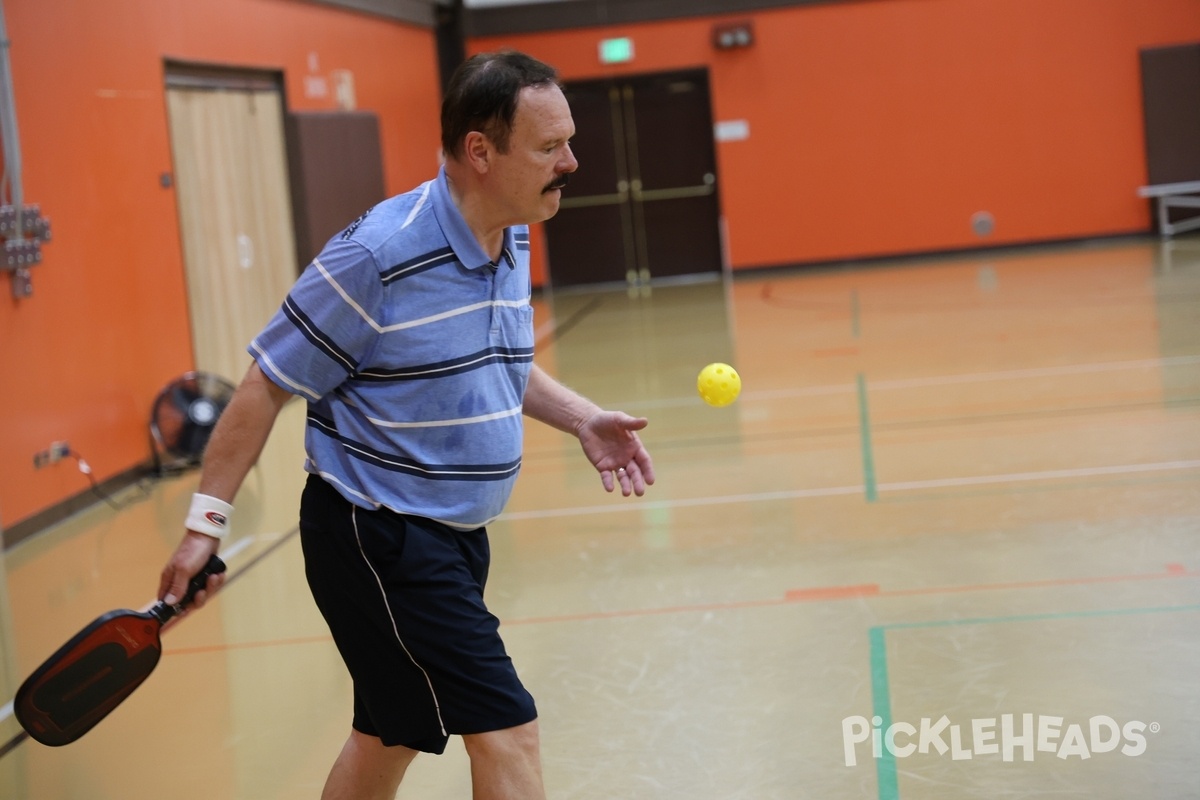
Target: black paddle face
99	667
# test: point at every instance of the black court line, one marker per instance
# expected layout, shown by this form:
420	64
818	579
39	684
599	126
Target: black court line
571	321
12	743
258	558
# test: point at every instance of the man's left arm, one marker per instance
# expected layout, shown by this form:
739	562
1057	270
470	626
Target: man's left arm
609	438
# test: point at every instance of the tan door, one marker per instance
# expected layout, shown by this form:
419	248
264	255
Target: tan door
235	215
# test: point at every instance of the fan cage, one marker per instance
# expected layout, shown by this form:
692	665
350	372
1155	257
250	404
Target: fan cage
183	416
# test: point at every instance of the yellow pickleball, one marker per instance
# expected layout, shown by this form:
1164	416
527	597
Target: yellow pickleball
718	384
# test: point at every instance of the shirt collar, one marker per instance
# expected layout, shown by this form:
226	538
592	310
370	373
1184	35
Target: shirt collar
462	241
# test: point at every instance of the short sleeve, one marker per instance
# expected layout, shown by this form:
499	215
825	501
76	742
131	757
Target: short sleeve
328	324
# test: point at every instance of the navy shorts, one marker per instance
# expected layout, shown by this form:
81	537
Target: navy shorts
403	597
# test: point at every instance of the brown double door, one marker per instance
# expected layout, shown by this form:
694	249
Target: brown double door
643	204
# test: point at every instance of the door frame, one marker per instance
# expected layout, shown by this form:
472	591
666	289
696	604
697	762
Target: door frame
189	76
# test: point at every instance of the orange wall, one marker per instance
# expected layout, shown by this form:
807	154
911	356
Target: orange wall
107	325
877	127
880	127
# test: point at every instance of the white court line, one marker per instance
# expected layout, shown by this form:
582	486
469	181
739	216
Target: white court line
772	394
6	710
235	549
832	491
696	501
1018	477
545	329
1036	372
933	380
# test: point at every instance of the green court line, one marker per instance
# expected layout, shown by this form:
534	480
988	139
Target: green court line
864	428
885	765
881	695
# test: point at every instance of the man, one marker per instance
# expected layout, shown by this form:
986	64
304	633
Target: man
411	338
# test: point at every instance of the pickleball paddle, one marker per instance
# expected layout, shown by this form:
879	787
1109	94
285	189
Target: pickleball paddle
98	668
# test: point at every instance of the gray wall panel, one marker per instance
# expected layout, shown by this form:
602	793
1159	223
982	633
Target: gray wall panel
418	12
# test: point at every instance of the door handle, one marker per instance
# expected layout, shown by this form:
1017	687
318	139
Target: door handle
593	200
676	193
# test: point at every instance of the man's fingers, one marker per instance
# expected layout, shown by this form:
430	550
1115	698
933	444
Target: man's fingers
631	479
164	582
636	481
175	582
177	588
633	423
189	558
646	467
215	582
210	588
178	591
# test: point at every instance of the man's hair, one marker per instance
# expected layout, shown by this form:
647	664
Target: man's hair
482	96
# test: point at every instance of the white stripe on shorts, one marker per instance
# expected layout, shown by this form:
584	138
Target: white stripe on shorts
436	705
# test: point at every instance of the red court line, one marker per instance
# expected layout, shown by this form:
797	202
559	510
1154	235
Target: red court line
794	596
221	648
647	612
831	352
832	592
1173	571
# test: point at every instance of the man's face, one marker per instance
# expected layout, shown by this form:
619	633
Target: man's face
528	178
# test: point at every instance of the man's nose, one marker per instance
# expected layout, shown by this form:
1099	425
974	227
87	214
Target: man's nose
568	164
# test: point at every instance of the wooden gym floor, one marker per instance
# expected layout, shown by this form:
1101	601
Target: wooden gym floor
956	508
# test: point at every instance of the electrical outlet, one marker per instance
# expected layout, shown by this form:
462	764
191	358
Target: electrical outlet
56	452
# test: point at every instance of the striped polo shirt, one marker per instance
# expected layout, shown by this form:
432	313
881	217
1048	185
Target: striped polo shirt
413	351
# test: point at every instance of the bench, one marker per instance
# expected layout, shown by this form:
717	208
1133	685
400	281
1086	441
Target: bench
1174	195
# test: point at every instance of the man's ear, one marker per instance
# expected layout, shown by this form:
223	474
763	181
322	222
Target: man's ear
477	151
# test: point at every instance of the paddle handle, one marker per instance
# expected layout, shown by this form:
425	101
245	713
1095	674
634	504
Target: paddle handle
163	612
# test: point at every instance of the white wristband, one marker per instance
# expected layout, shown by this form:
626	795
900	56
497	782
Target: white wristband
209	516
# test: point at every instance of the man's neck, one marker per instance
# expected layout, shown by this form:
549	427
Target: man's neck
490	238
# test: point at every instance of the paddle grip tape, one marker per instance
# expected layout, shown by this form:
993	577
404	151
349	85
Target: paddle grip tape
209	516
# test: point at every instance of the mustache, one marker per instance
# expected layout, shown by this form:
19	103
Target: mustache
558	183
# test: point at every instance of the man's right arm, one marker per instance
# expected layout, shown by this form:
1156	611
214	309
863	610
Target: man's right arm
234	448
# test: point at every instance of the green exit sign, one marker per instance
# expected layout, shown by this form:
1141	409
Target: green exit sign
616	51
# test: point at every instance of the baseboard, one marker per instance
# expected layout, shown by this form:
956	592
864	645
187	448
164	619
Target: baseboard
73	505
949	254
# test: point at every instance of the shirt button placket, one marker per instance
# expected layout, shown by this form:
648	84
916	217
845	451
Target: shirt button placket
494	277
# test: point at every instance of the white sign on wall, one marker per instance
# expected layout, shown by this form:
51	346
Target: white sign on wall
732	130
